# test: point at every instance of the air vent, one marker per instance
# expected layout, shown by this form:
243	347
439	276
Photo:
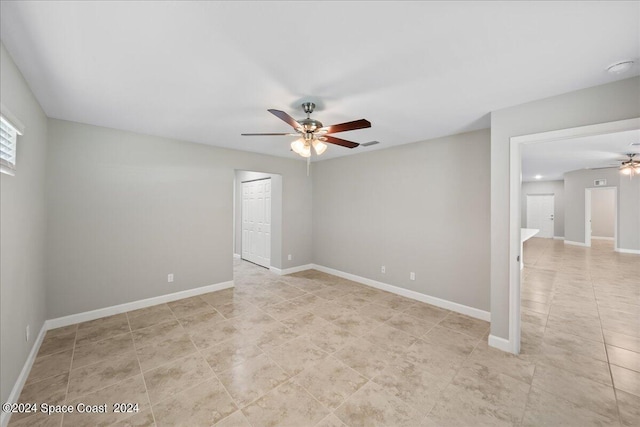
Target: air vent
600	182
366	144
635	144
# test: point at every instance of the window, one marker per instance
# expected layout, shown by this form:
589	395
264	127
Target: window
8	137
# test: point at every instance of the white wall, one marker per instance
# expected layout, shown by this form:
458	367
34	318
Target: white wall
600	104
276	213
127	209
409	208
545	187
22	226
603	210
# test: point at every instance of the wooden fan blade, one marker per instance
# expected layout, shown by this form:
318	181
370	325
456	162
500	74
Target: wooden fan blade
268	134
338	141
286	118
343	127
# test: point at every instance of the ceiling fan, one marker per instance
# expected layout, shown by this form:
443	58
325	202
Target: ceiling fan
312	134
628	166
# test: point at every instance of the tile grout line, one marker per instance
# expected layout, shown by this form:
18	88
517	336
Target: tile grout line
606	350
603	342
135	350
66	393
291	380
199	351
535	364
453	377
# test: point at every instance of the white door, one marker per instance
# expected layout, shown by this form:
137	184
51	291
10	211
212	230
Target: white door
256	222
540	213
587	217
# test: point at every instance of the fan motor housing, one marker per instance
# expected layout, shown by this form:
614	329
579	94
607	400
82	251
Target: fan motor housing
310	125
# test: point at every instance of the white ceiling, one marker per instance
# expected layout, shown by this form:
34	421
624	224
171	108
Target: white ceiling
553	159
208	71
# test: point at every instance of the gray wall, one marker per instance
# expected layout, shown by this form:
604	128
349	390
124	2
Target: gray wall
575	184
127	209
628	192
603	211
410	208
615	101
629	213
276	213
22	226
546	187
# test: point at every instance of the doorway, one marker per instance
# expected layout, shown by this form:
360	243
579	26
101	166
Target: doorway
540	208
256	222
512	345
600	212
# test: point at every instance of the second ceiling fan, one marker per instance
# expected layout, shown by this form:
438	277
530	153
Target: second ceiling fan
311	132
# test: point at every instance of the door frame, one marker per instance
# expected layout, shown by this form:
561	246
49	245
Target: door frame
587	213
553	214
515	183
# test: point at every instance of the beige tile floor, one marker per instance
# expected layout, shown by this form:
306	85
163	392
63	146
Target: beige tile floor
315	350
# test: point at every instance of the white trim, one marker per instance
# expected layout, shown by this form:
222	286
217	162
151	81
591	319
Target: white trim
438	302
628	251
558	237
500	343
578	132
515	201
602	238
236	256
284	272
569	242
134	305
24	374
587	217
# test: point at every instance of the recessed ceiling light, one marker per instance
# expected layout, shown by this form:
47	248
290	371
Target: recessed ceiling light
620	67
538	176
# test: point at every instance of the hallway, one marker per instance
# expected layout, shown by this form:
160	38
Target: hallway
581	327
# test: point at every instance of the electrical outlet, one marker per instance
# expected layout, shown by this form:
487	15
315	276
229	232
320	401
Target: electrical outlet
383	269
27	333
412	276
170	278
289	257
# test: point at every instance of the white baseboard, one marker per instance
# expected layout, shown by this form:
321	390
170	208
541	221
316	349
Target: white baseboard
24	374
558	237
628	251
284	272
438	302
236	256
500	343
602	238
134	305
569	242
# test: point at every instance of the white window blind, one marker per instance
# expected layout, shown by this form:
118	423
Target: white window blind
8	138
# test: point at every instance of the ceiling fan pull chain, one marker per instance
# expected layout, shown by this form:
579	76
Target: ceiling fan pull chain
308	164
